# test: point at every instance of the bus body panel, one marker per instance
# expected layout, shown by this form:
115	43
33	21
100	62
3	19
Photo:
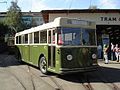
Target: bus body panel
58	60
57	67
81	59
36	51
19	51
25	53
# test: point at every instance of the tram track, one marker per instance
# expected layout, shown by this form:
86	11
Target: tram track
33	75
13	73
57	84
105	79
32	79
16	71
19	81
30	72
52	78
84	80
7	69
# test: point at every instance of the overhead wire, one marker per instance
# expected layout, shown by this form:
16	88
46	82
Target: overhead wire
70	5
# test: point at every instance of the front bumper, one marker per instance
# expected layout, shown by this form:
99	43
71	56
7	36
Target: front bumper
75	70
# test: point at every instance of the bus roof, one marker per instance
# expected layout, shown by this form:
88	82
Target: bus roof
60	21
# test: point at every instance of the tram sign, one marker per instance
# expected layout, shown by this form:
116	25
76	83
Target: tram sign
110	18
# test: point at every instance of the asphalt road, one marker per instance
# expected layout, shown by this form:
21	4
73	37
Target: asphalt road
21	76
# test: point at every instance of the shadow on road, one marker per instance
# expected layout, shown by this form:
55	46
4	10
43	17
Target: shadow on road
102	74
8	60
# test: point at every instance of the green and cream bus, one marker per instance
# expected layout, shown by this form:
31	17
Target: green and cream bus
63	46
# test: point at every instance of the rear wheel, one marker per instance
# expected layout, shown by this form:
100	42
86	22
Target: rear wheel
43	65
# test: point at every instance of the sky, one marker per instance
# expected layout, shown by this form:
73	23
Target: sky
38	5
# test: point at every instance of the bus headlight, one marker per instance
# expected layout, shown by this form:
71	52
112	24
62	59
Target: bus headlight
69	57
94	56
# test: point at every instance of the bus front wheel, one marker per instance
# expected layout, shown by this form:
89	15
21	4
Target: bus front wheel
43	65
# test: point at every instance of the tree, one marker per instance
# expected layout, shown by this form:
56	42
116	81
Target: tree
3	30
14	17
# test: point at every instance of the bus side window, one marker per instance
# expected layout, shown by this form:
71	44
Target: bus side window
19	40
30	38
36	37
22	39
26	38
49	37
43	37
53	38
60	39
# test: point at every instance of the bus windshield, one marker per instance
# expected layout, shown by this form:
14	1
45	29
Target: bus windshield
76	36
88	37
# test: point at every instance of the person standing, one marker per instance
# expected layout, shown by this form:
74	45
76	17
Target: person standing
117	49
112	52
105	51
99	48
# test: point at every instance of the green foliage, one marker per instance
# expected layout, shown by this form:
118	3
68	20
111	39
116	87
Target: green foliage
3	29
14	18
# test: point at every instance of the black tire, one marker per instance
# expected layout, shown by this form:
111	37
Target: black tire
43	65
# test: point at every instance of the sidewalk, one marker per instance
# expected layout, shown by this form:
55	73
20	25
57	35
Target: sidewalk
111	64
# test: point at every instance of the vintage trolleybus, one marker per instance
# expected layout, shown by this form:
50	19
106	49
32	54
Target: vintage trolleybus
63	46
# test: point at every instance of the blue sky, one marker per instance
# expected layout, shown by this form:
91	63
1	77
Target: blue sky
38	5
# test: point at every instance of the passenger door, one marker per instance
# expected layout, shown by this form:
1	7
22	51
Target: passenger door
51	48
25	48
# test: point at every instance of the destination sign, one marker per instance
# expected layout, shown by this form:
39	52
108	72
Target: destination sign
78	22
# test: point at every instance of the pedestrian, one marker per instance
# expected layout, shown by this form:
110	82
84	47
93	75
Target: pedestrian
105	51
119	55
112	51
117	51
99	49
